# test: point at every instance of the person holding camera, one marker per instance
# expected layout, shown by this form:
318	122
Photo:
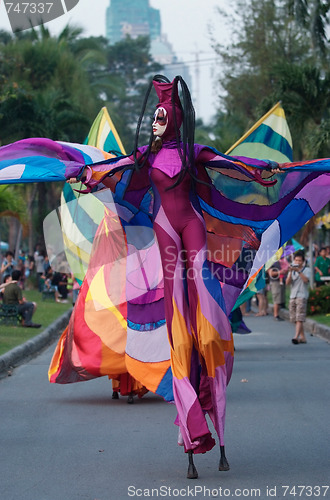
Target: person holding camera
298	277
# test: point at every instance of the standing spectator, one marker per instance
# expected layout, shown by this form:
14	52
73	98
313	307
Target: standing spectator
21	268
39	258
321	266
284	264
31	265
12	295
262	297
8	265
275	287
298	277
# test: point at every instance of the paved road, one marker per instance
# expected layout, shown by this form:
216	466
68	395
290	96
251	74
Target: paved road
74	442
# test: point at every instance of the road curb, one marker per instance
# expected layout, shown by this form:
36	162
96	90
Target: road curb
22	353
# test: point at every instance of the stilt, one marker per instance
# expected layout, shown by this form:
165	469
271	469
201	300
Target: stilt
130	399
223	464
192	471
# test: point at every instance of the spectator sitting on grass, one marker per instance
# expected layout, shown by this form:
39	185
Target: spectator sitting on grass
59	280
4	284
12	295
49	287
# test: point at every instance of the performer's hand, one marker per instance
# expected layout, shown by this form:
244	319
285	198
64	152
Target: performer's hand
277	170
73	180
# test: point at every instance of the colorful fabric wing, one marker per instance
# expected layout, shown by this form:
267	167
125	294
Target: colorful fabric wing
249	233
44	160
270	138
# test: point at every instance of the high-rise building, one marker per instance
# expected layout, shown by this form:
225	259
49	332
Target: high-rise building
135	18
131	17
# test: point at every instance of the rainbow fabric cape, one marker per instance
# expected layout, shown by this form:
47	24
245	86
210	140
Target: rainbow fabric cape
247	222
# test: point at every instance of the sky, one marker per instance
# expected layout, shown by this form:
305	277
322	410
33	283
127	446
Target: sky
186	24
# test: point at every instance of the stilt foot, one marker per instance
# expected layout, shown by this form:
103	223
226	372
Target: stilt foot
192	471
115	395
130	399
223	464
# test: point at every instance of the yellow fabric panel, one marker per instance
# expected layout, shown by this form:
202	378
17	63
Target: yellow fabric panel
211	346
55	362
182	345
148	374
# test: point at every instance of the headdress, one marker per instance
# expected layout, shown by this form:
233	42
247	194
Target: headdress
166	92
179	113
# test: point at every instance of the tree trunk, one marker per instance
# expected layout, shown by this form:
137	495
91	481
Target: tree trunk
14	226
31	193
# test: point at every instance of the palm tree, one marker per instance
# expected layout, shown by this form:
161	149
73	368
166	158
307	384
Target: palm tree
305	94
13	207
312	15
45	89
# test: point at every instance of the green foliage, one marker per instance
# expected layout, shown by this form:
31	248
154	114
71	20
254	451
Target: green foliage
319	301
304	90
9	201
278	51
44	90
55	86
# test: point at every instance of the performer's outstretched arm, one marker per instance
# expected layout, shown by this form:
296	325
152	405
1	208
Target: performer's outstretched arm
242	168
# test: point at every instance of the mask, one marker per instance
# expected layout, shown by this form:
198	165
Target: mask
159	124
164	92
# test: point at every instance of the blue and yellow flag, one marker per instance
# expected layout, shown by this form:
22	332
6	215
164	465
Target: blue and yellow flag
269	138
103	134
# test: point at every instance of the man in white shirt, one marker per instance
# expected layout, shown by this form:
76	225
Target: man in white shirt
298	277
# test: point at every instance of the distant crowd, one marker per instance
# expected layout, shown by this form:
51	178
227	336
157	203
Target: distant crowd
291	271
35	271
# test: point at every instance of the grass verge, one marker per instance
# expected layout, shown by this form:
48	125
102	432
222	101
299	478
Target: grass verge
321	318
47	312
